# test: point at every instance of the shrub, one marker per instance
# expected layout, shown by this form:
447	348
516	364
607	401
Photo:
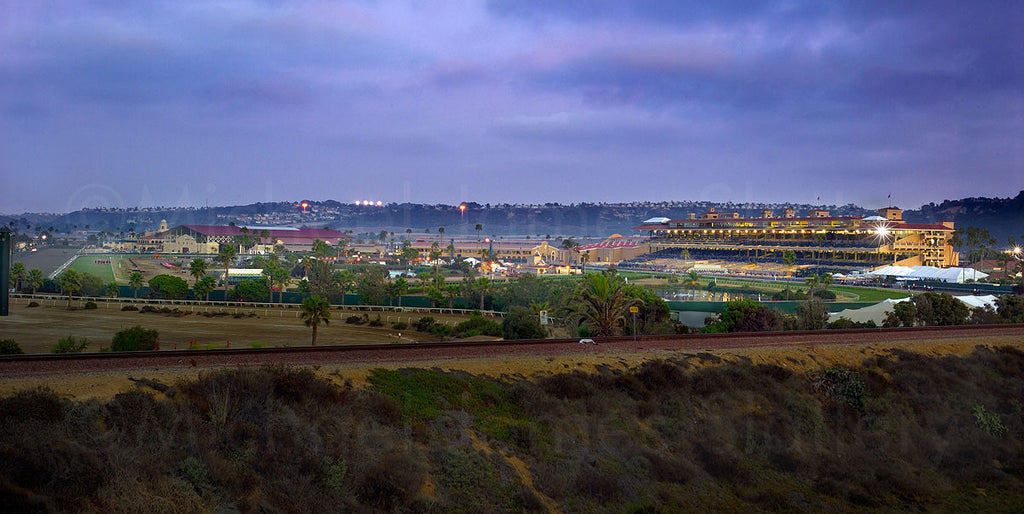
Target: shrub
988	421
401	325
129	308
839	384
356	319
70	345
9	347
33	304
90	306
135	339
522	323
376	322
478	325
425	323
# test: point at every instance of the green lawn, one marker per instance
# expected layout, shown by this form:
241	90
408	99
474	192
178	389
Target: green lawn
86	264
867	294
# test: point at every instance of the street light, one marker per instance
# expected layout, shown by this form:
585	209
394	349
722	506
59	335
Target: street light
462	212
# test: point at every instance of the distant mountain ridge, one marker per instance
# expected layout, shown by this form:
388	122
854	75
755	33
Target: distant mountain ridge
1002	217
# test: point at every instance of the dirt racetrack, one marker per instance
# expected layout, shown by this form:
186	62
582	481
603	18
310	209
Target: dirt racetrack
37	329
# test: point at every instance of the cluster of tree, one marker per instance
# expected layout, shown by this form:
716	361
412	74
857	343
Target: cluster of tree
934	309
926	309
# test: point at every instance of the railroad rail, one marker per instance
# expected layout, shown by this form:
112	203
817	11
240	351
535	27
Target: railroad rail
56	364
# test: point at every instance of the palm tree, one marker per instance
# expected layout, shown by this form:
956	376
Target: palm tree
479	228
203	287
811	282
70	282
264	235
281	277
483	283
452	291
825	280
601	302
135	282
692	281
197	268
226	255
321	248
423	277
435	255
268	272
35	279
316	310
345	279
18	273
401	287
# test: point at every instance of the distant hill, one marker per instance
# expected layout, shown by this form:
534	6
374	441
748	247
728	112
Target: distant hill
1003	217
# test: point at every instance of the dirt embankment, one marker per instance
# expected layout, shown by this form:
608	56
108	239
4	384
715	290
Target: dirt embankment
800	359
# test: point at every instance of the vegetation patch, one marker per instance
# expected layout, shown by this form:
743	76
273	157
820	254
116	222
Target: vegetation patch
908	432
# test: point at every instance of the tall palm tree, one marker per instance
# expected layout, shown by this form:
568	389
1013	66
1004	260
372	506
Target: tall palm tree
281	277
268	273
479	228
316	310
135	282
203	287
35	279
401	287
18	273
483	284
264	235
197	268
811	282
70	282
345	279
452	291
692	281
435	255
601	302
226	256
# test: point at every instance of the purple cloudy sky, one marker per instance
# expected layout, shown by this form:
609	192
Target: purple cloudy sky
175	103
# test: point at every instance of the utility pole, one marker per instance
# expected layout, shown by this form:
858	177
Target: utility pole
5	270
634	309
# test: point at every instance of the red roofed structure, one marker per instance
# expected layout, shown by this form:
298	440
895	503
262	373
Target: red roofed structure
206	239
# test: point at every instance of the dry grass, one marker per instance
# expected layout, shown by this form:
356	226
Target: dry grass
102	386
37	329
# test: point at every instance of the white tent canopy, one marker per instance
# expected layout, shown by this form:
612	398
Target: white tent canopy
657	220
878	311
958	275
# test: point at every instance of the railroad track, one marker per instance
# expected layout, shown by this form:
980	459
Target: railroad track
57	364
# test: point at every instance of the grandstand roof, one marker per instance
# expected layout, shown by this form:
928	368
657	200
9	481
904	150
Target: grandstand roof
616	242
853	221
286	234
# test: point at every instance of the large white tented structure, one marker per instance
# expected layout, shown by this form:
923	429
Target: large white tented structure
957	275
878	311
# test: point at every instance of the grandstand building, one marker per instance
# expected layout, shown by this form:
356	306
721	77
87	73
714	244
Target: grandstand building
206	239
817	238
